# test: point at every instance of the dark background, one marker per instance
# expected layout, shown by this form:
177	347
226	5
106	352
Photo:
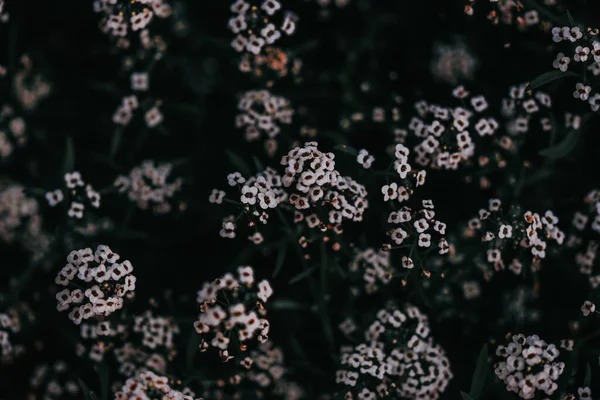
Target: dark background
198	81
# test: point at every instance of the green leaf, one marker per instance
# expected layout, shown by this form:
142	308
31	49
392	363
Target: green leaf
280	257
238	163
302	275
571	20
286	304
465	396
192	349
102	371
258	164
548	77
116	142
567	144
346	149
588	375
481	370
87	393
563	148
69	157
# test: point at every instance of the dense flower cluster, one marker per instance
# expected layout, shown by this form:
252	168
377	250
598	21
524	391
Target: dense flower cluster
398	357
310	186
148	186
261	113
147	384
100	283
20	220
529	366
313	180
232	306
259	25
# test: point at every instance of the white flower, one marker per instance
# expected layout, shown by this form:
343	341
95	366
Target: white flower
54	197
440	227
73	180
581	53
587	308
270	34
421	225
424	240
216	196
505	231
140	81
403	169
582	91
76	210
390	192
228	230
270	6
267	199
235	178
264	290
153	117
398	235
365	159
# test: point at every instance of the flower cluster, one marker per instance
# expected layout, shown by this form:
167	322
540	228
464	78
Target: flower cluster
417	226
233	307
374	267
124	20
444	132
261	113
264	372
147	384
257	194
272	62
511	234
510	13
97	338
54	381
29	85
12	131
453	62
585	227
81	196
12	320
101	283
148	187
312	181
20	220
398	357
310	186
257	26
528	366
583	48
